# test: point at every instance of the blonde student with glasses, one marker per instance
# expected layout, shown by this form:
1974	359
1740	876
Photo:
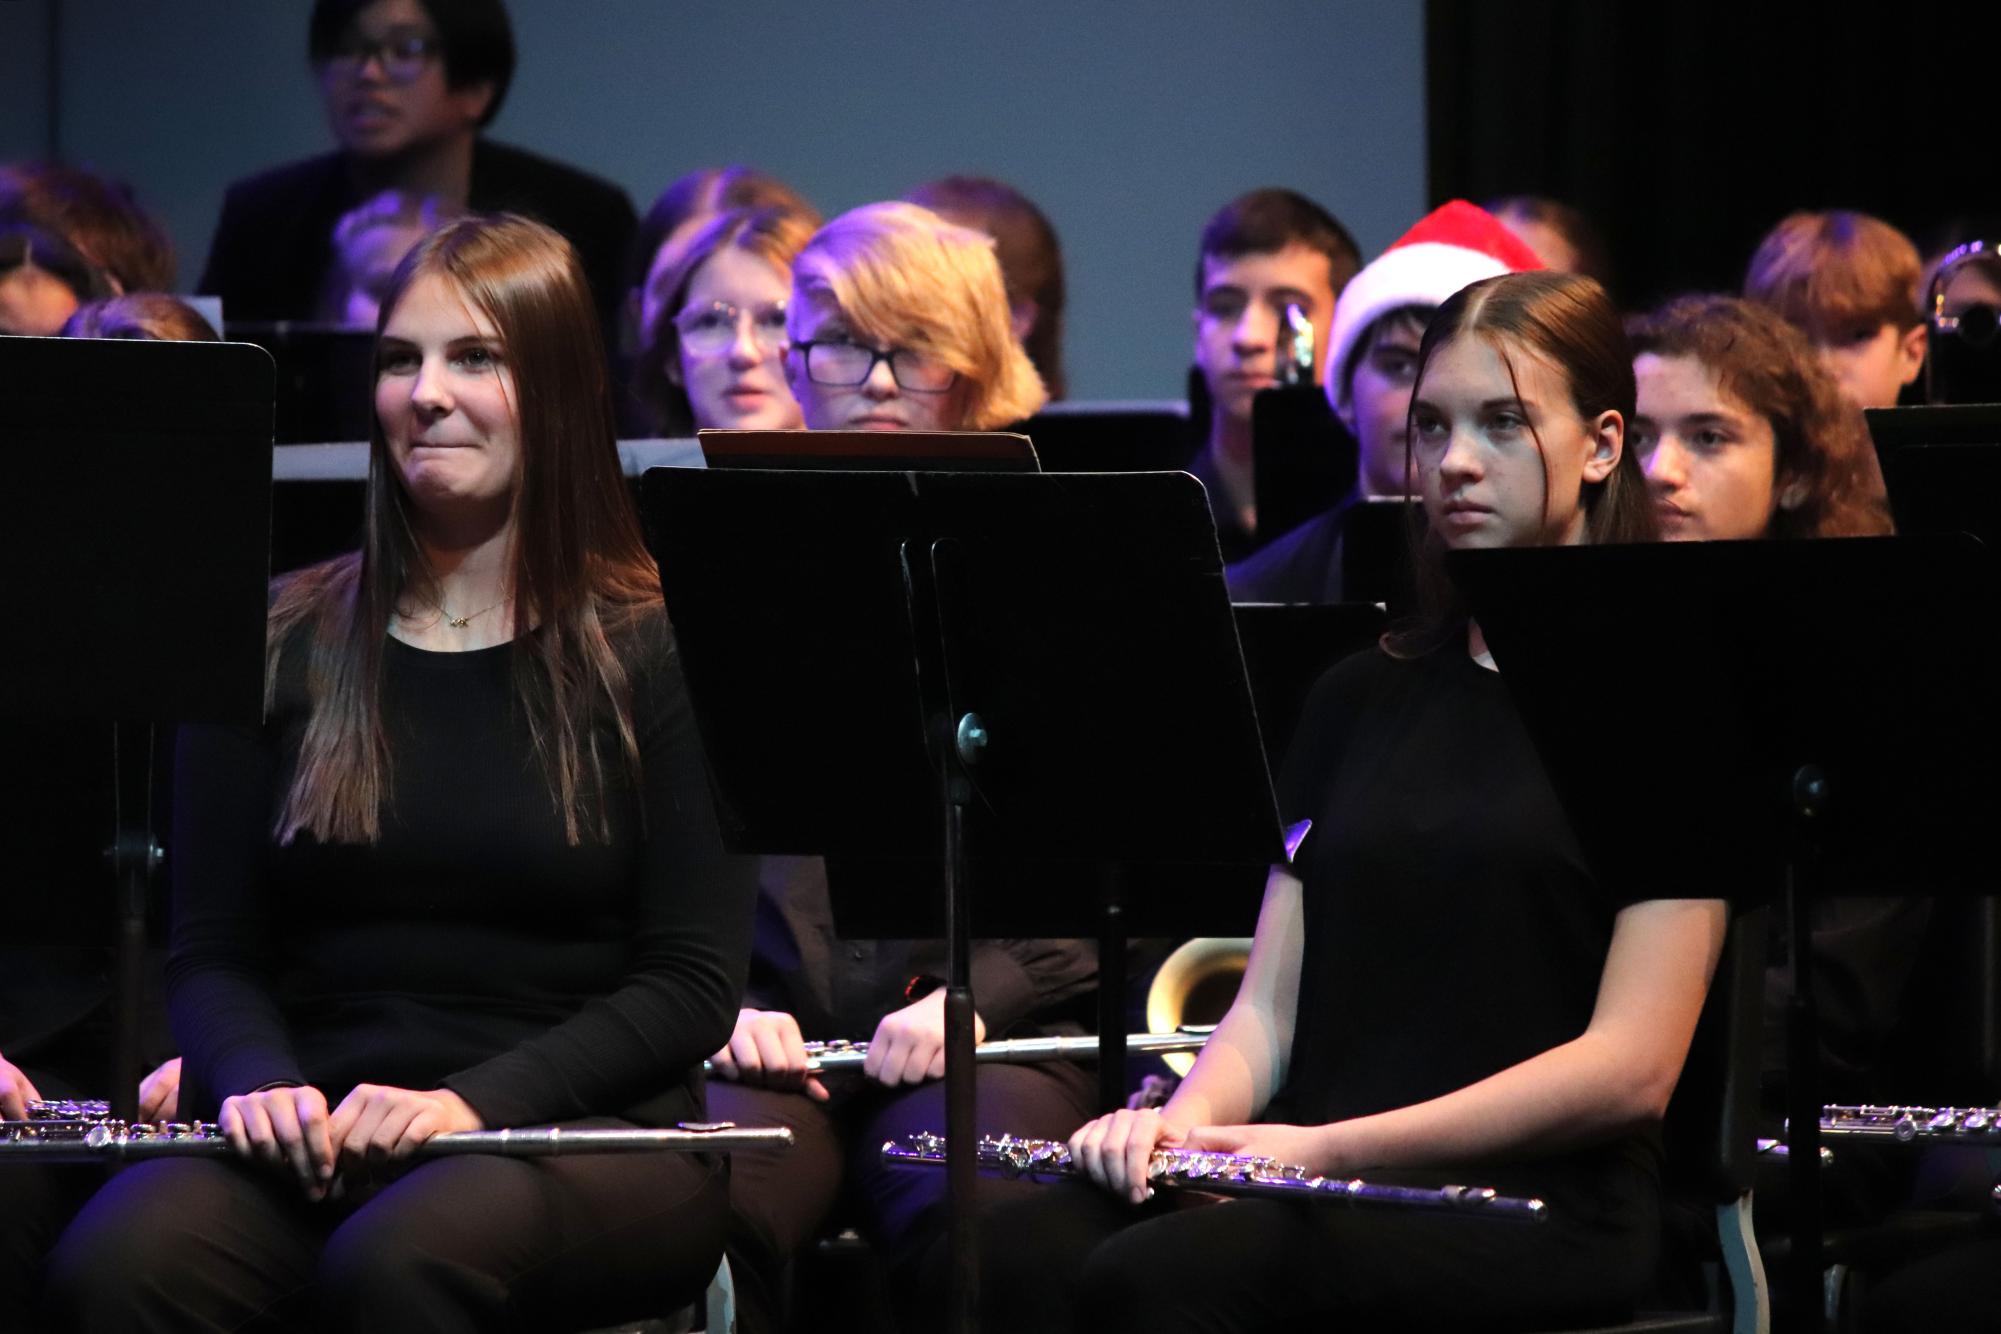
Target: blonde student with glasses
898	320
714	354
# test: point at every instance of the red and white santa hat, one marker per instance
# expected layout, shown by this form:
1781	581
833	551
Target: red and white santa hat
1454	245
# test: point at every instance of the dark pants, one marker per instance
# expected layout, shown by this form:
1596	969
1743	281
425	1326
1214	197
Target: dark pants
36	1203
1077	1258
462	1243
779	1202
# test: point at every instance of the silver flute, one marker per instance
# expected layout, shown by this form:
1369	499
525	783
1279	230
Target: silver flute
1904	1125
840	1054
1220	1174
85	1132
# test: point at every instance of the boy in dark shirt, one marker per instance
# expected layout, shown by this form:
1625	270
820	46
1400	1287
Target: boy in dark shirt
1264	251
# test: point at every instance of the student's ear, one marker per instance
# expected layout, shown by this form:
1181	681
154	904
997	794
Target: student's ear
671	368
473	101
1792	492
1021	316
1911	352
1347	415
1608	441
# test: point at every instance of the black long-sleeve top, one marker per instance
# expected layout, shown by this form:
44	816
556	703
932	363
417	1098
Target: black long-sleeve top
471	947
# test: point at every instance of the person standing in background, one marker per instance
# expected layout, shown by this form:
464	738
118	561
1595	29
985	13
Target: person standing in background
409	87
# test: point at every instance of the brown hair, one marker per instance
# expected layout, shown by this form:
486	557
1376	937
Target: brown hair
1031	258
708	190
774	235
581	570
1822	271
148	315
1568	321
97	216
1822	442
1268	220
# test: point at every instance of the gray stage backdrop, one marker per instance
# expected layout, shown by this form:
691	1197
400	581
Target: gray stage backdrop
1127	122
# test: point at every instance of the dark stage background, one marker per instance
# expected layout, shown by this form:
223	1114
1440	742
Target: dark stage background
1686	129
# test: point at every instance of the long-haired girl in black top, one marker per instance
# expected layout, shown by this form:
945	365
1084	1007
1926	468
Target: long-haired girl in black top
465	876
1441	988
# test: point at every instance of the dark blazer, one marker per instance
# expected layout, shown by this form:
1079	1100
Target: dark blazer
274	242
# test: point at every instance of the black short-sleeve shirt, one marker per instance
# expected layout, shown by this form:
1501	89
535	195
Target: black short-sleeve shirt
1452	927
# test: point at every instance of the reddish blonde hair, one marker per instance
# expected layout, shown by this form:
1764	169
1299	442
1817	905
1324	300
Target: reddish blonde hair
903	276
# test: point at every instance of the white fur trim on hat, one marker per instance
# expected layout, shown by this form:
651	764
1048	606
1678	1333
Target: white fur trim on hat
1426	273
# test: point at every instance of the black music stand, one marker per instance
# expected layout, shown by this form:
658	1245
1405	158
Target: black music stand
1825	726
908	664
141	551
1303	460
1109	437
869	451
1940	465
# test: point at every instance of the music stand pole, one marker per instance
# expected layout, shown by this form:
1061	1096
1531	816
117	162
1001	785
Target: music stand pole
133	856
1809	802
1112	992
959	753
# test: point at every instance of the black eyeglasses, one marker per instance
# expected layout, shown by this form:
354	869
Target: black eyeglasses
843	365
403	58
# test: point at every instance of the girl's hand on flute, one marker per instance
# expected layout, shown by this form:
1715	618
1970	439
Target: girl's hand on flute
1114	1150
909	1044
281	1126
766	1049
16	1092
1298	1146
376	1125
160	1093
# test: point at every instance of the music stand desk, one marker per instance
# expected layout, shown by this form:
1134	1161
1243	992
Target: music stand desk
140	560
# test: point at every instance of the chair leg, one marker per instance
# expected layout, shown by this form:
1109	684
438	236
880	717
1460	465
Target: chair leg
1833	1282
1750	1296
722	1300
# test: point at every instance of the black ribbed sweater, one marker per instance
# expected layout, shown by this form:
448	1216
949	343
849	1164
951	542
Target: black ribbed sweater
471	947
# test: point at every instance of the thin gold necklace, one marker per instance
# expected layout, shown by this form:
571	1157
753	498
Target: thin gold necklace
461	622
457	622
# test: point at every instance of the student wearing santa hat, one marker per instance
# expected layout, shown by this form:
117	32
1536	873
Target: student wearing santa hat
1371	358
